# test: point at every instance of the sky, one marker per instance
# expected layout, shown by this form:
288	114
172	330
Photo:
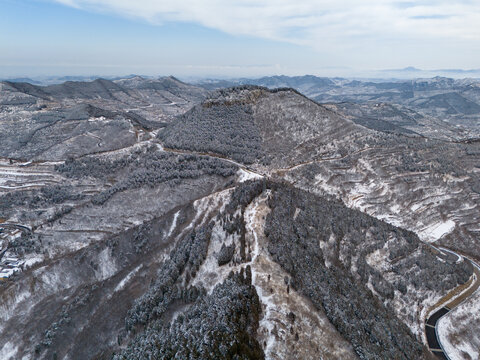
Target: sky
235	38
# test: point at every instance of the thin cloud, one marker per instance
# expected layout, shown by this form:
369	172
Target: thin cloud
308	22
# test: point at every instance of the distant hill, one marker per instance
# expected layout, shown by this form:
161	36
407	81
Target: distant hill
445	106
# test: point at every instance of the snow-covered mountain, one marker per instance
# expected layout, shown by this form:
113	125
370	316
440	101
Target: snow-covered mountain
158	219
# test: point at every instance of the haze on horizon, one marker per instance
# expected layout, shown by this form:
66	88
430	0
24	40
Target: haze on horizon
213	38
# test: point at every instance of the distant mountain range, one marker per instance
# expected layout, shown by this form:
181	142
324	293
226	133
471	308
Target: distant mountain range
52	80
413	72
409	72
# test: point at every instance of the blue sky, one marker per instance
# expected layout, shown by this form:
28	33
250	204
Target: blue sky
236	37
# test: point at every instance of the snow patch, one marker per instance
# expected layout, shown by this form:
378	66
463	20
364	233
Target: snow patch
107	266
6	312
22	186
207	204
244	175
174	223
377	259
210	274
32	260
8	351
266	322
127	278
435	231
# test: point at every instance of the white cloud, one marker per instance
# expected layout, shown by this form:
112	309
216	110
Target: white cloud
314	23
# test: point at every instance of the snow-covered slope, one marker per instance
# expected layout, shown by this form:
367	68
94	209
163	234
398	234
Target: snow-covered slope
256	223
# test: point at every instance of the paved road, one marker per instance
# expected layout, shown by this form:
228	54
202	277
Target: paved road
431	324
432	335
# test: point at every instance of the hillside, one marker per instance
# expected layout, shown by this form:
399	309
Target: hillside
439	107
155	218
